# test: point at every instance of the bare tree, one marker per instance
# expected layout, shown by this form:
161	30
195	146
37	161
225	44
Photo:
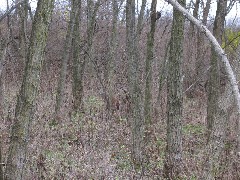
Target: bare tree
64	62
25	107
78	63
216	113
136	111
149	59
173	161
23	40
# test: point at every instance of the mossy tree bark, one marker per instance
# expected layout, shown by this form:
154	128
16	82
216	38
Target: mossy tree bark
173	161
25	107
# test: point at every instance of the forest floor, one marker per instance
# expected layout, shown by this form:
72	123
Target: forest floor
92	145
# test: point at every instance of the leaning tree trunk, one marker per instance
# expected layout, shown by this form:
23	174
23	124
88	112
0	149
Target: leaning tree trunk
173	161
26	102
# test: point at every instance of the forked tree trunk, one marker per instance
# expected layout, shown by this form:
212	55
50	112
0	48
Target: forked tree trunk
173	161
25	107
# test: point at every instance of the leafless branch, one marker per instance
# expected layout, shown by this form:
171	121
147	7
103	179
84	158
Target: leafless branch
10	10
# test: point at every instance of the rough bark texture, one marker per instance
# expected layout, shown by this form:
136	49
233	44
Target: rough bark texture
148	71
173	161
78	63
136	111
29	90
214	76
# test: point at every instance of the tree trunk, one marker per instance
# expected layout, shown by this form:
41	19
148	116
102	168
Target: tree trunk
228	69
78	63
199	66
173	161
111	62
3	48
136	111
216	112
23	44
1	161
25	107
206	11
65	58
195	14
149	59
